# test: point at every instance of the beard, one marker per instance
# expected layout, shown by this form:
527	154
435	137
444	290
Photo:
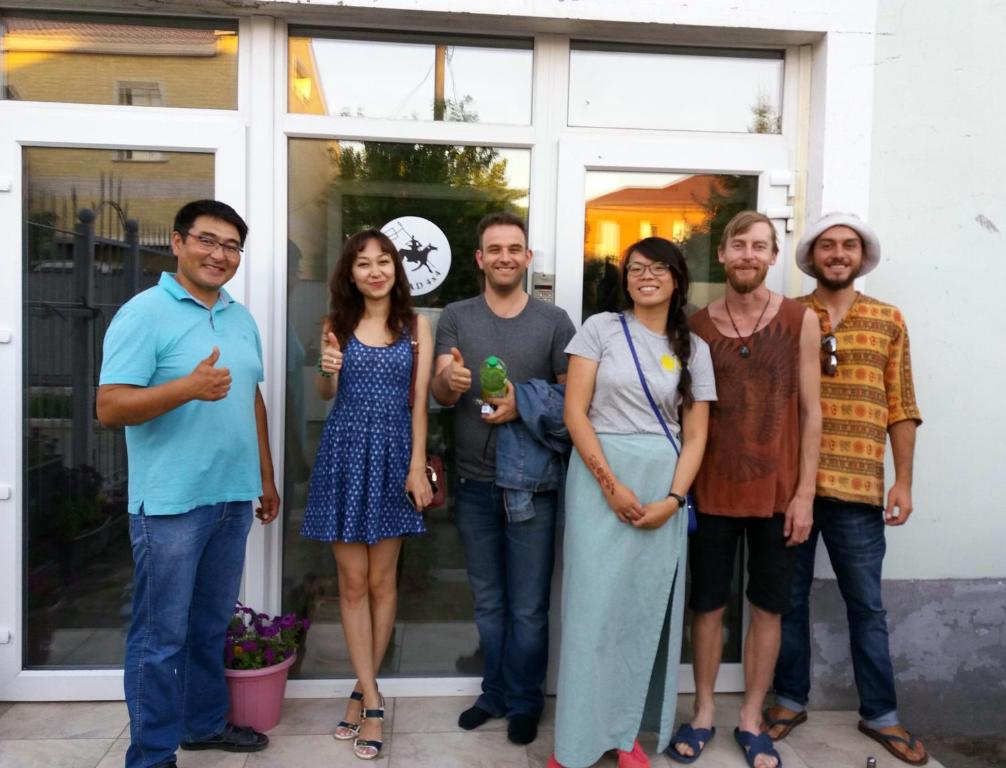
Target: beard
746	284
834	285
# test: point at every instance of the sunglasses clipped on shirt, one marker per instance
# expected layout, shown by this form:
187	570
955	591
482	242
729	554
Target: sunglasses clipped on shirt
829	355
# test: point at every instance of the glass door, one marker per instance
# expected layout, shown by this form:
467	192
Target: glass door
685	190
86	207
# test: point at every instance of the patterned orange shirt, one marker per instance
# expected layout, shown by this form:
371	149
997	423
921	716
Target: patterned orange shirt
871	390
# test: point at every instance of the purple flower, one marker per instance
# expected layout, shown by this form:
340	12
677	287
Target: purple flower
270	630
256	640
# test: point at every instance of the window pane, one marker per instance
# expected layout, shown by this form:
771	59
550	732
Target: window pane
689	210
96	233
337	188
133	62
729	91
407	78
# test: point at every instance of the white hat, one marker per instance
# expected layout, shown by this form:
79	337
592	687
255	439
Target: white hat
871	245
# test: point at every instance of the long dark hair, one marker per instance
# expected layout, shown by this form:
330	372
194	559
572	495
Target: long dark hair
678	336
346	299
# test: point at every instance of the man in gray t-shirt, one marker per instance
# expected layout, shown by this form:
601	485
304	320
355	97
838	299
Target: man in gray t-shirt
509	563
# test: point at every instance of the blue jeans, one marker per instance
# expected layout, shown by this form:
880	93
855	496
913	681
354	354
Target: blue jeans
510	572
854	536
186	579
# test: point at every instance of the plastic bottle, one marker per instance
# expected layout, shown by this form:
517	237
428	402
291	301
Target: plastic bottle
492	377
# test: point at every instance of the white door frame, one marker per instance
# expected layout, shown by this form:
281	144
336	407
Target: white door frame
73	126
766	156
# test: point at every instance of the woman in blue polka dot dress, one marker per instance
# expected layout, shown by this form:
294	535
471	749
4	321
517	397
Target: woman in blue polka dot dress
369	487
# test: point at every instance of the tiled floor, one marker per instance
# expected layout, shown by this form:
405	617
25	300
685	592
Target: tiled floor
419	733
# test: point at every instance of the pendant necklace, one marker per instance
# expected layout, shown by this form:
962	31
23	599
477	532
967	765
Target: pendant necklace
746	343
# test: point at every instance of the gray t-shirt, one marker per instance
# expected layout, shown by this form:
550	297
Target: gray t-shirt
620	405
530	344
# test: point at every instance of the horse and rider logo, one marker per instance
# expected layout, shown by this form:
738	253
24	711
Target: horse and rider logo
424	250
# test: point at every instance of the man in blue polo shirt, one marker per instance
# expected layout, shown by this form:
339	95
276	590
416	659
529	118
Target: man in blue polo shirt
182	363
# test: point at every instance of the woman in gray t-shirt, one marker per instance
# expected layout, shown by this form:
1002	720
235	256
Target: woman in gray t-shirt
626	535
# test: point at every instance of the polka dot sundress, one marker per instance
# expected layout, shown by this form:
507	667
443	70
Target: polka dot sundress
357	491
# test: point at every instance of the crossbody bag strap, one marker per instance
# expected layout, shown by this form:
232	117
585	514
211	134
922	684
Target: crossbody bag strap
414	344
642	380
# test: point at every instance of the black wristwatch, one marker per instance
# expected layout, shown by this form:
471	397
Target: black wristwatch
682	501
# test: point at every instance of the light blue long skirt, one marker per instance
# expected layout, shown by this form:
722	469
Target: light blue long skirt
622	608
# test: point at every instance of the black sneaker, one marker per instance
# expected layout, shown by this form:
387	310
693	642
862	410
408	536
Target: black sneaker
233	738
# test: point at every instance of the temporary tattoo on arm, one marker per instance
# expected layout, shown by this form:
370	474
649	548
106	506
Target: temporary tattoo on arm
604	478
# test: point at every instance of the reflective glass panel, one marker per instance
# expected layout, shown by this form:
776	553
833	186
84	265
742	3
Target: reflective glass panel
428	198
691	211
411	78
130	62
675	89
97	231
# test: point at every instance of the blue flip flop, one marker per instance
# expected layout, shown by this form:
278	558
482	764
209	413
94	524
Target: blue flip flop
696	738
754	745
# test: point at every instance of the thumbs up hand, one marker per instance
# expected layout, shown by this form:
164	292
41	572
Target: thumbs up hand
209	382
331	354
459	378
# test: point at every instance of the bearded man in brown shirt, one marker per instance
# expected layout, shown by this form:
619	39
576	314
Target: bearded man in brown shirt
757	476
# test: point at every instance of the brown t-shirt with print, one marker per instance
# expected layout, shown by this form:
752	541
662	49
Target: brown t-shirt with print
752	460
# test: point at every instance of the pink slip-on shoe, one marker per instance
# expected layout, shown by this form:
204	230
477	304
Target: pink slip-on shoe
635	759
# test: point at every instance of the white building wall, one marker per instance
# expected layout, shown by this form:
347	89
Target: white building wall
938	201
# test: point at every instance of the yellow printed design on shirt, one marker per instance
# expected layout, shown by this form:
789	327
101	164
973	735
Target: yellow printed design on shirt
669	363
871	390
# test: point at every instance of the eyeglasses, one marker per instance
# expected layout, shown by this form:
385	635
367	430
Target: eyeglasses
829	355
656	268
208	244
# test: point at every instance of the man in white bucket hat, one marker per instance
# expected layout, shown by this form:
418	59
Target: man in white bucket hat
866	395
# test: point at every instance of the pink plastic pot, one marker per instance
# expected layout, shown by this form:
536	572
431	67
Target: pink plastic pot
257	694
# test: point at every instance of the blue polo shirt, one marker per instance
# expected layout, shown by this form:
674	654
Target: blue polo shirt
201	452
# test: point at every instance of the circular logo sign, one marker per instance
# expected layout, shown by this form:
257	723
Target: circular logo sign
425	252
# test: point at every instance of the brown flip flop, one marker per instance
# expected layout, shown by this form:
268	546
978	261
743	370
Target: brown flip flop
787	723
888	740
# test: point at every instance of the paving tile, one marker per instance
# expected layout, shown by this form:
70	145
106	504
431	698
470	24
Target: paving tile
477	749
4	706
437	714
115	755
52	753
209	758
286	751
838	746
76	720
306	717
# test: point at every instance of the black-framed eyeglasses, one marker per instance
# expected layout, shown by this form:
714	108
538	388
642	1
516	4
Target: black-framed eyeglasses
829	355
208	244
656	268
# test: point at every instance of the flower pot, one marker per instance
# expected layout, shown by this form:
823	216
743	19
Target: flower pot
257	694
